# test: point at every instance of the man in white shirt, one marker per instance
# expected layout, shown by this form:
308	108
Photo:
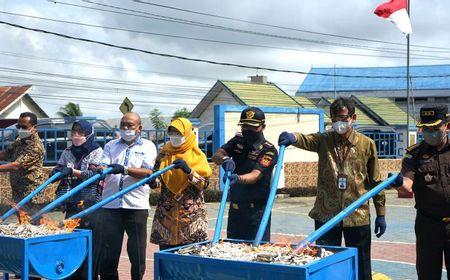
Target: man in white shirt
132	159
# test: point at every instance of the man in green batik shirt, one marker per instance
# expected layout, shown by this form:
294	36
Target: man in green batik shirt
348	168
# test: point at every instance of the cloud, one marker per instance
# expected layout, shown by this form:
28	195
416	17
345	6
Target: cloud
170	84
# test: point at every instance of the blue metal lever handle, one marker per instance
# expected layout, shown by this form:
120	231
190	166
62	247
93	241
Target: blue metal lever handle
344	213
223	202
270	200
29	197
121	193
73	191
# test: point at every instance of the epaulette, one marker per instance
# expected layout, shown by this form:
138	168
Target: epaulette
414	147
267	144
239	134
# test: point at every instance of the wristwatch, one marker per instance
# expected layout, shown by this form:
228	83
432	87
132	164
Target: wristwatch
125	171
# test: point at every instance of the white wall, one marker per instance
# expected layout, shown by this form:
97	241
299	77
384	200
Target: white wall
277	123
222	98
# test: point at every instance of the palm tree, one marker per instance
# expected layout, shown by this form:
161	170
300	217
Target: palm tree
70	110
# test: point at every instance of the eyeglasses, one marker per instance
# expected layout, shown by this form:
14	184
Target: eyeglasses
21	126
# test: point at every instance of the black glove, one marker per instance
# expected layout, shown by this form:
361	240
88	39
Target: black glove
228	165
398	182
380	226
65	171
181	164
116	168
234	179
286	139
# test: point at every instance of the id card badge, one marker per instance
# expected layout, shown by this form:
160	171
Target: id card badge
342	182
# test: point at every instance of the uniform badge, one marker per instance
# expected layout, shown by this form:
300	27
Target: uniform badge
426	156
265	160
249	114
428	177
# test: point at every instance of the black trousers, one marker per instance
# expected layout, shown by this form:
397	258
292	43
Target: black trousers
92	222
244	220
357	237
432	244
115	222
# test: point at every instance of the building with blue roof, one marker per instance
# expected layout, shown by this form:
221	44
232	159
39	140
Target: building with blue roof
429	83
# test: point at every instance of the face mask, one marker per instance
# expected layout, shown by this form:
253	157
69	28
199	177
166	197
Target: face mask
78	140
251	136
23	133
341	127
127	135
433	137
176	140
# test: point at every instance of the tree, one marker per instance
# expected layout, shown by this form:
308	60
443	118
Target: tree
70	110
182	113
157	120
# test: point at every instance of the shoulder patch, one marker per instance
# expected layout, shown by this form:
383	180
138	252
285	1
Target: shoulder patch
414	147
266	160
267	144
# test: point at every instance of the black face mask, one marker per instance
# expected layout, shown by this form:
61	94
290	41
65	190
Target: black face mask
252	137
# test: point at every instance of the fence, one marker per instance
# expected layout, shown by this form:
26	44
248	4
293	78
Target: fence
56	140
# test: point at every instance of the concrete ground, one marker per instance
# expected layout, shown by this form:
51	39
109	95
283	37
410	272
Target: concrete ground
393	254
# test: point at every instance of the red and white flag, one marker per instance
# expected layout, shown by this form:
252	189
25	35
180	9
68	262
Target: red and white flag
396	11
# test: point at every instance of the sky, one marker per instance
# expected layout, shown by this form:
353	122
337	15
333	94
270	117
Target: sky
286	35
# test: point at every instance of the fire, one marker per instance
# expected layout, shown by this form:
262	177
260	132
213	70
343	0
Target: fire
80	204
70	225
24	218
49	223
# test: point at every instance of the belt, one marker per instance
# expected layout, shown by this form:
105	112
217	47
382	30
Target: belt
238	205
434	217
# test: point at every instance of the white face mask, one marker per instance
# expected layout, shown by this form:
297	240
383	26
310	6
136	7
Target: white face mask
176	140
127	135
23	133
78	140
341	127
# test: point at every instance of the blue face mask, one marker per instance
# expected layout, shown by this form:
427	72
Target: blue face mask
433	137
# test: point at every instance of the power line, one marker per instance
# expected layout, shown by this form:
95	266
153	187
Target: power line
415	56
212	26
200	60
281	27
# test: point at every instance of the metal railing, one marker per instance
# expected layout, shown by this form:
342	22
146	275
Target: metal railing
386	143
56	140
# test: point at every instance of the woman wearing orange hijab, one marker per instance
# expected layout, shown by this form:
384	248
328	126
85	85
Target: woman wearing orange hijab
180	216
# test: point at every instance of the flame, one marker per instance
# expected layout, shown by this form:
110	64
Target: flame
70	225
49	223
80	204
24	218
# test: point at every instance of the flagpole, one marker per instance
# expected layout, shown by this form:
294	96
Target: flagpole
407	82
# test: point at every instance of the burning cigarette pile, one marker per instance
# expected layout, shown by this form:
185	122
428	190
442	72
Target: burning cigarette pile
24	229
270	253
29	230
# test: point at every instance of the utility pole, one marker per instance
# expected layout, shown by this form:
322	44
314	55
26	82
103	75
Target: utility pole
407	82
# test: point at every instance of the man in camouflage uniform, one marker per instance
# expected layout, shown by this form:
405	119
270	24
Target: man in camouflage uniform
25	156
348	168
426	171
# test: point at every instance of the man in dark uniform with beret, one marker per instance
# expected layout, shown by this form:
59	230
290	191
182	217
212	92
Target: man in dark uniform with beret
252	158
426	170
